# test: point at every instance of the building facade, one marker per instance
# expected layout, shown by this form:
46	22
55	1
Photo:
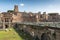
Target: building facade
6	18
53	17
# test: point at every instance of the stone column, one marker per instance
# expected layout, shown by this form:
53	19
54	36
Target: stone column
9	23
37	18
3	24
24	27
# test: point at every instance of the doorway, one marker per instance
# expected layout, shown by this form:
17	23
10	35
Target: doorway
6	26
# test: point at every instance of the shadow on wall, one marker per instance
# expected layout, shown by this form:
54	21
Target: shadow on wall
22	33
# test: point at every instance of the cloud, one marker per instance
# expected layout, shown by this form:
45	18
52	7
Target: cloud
21	4
52	8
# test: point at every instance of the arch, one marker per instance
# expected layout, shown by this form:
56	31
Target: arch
45	36
6	26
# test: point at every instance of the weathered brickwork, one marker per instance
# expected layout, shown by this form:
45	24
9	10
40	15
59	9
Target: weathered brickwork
16	16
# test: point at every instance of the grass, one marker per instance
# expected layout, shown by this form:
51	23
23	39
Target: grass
10	35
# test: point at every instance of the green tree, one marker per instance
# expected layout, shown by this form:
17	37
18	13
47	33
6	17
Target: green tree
10	11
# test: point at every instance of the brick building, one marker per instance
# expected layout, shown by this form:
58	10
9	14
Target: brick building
16	16
53	17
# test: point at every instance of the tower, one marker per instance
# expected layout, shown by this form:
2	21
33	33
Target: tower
16	8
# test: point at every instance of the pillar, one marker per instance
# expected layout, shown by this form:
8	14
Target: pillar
37	18
3	24
9	24
24	27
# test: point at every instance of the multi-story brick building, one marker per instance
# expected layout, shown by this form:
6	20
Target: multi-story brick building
16	16
6	19
53	17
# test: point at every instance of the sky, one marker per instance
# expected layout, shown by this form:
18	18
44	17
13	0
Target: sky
31	5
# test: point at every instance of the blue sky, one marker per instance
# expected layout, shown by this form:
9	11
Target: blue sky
31	5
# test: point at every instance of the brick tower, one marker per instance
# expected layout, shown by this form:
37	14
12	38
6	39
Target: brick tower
16	8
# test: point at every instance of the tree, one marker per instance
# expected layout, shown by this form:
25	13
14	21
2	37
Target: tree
10	11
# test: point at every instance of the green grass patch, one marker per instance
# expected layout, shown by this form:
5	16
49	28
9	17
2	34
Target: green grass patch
9	35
